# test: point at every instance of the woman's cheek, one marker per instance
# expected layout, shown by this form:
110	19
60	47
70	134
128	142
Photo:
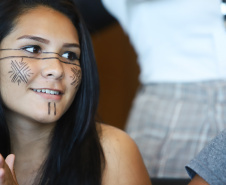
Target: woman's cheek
20	71
76	77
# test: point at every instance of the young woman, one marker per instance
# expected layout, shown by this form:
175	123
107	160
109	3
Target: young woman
49	97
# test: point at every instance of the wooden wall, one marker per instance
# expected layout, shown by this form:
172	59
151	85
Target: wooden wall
118	72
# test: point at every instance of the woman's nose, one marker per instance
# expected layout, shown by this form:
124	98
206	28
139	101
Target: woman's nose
53	69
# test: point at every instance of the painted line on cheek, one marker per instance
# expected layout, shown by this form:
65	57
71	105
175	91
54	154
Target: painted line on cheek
20	72
76	77
37	58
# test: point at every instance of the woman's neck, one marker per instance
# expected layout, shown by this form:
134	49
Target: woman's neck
29	140
30	144
26	133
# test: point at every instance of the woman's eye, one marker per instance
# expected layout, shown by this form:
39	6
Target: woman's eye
32	49
70	55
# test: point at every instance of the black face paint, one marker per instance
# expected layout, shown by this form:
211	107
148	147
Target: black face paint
20	72
54	108
76	77
49	108
38	58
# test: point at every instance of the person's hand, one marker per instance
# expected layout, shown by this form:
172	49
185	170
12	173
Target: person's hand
7	174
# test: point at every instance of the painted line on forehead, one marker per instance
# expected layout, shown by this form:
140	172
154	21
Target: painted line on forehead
37	58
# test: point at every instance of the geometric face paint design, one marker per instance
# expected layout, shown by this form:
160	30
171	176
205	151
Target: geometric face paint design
49	108
41	56
20	72
76	77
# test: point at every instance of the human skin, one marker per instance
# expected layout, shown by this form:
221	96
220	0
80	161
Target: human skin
31	115
197	180
47	74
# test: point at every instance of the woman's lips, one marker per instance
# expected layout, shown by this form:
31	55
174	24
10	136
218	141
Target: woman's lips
49	93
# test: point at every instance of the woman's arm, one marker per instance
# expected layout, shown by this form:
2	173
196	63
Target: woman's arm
124	164
197	180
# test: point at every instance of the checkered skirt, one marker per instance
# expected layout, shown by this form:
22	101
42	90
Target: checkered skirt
172	122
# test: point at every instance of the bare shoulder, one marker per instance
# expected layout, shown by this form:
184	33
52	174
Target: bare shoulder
124	164
113	135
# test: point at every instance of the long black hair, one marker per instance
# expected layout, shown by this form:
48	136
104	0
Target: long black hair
76	155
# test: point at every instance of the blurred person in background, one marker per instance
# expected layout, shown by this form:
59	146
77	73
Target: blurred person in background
180	105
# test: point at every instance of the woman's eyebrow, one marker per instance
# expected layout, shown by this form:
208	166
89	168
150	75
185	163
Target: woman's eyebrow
68	45
39	39
45	41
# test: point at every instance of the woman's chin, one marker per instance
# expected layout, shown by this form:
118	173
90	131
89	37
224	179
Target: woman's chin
46	119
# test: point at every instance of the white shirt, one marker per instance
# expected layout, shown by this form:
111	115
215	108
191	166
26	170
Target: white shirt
175	40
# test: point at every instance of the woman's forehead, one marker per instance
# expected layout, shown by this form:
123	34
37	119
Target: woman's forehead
47	22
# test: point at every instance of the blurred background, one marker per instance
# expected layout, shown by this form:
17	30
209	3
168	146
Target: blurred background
118	72
181	103
116	60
